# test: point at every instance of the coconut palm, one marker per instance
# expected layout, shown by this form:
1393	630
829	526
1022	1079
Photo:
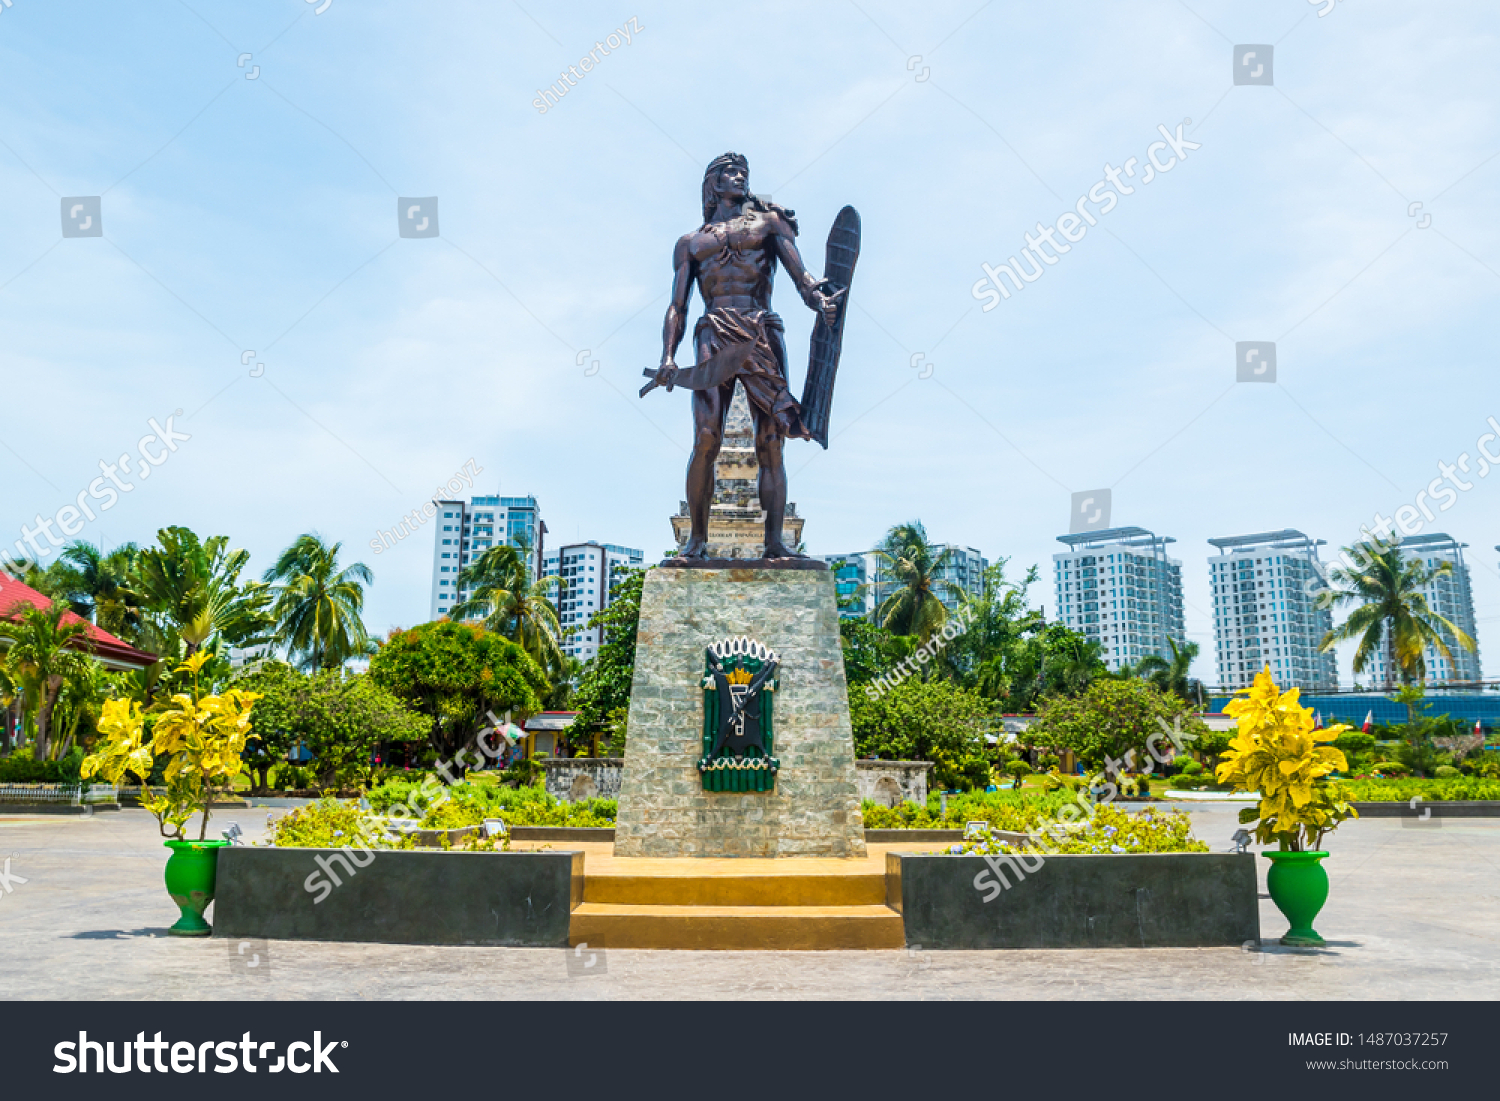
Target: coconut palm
318	605
193	588
913	607
42	657
503	593
1172	675
1392	612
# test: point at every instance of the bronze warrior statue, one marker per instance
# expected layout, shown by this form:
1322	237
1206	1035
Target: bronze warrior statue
732	258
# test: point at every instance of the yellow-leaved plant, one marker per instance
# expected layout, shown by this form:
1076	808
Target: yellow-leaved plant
202	737
1277	752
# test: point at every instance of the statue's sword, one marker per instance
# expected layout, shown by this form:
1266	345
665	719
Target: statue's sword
716	370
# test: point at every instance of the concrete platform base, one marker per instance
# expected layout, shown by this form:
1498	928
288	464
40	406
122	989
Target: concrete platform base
782	928
725	904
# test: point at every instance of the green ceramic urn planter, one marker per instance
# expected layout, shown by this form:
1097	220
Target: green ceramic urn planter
1298	884
191	870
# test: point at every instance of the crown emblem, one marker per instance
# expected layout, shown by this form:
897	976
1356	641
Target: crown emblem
738	676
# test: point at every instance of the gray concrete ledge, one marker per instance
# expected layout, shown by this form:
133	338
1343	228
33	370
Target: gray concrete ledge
895	837
1476	808
576	834
1155	900
515	899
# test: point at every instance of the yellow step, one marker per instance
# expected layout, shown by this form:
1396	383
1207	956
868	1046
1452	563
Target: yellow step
786	928
865	889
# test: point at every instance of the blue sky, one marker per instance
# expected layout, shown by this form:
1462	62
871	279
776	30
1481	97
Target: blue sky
260	214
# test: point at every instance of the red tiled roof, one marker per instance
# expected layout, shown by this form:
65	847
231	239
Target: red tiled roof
100	643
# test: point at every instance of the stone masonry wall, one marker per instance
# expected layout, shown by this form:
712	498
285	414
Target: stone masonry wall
664	810
891	782
568	778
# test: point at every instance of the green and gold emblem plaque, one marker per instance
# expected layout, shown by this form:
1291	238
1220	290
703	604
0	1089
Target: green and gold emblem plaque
739	681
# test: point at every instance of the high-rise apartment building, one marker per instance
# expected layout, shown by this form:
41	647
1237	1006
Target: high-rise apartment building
1450	596
587	574
465	530
851	579
1119	587
1265	613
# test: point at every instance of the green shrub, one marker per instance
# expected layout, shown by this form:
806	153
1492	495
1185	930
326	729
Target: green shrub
1446	772
1192	768
1486	764
1457	789
1048	762
1354	742
472	801
292	777
21	768
1111	829
1003	810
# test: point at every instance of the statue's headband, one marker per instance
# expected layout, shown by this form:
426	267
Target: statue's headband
724	162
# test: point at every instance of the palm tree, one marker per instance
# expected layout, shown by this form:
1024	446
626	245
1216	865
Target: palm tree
914	607
1393	614
102	589
502	591
1171	676
1075	664
42	658
193	587
318	605
79	705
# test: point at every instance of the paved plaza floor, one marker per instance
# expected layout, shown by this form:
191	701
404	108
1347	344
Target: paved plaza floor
1413	913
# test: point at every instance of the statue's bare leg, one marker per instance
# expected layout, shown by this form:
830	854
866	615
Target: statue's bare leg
710	407
772	484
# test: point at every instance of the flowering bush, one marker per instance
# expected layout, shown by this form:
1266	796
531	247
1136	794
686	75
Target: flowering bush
1110	829
1276	753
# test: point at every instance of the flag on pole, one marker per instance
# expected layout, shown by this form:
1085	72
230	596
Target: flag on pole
1369	721
1479	730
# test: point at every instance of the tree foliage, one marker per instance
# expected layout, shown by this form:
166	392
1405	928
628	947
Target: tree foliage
1110	719
871	652
342	718
604	685
456	675
919	720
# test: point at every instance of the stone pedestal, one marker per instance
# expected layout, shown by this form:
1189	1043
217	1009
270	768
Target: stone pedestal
814	810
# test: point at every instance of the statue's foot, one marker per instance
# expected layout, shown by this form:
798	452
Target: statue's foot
778	549
697	547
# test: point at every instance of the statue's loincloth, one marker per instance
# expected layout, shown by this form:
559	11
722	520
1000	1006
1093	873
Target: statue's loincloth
764	374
